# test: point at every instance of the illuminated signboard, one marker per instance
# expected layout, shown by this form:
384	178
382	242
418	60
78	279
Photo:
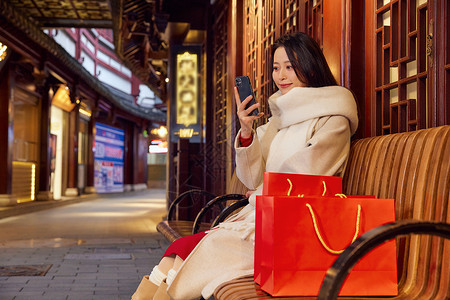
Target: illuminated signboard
187	89
157	146
185	108
108	158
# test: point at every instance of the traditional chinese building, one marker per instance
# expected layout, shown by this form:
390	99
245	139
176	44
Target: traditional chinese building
74	119
392	54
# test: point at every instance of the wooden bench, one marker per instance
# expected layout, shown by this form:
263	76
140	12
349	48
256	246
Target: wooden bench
414	169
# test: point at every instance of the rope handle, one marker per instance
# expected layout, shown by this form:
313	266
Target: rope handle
319	236
302	195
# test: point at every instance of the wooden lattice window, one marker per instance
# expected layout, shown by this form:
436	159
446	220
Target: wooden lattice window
252	43
267	38
264	22
402	68
216	150
313	24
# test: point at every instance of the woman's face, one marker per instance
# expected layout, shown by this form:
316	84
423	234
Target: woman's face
283	73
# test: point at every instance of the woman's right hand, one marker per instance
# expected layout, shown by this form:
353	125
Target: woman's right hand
243	114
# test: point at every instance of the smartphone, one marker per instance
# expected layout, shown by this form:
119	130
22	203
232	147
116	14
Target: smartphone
245	89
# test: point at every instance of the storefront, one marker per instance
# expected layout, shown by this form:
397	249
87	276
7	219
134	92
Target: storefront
26	141
62	132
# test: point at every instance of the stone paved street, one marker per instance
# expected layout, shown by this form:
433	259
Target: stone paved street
95	249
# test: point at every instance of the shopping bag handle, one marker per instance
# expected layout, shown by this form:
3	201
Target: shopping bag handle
319	236
302	195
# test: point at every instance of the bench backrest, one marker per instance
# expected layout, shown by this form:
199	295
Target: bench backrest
414	169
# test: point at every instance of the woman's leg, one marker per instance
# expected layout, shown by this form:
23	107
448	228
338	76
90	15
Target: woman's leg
167	263
167	267
177	263
149	286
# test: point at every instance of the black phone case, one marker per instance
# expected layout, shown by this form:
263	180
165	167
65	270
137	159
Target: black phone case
245	89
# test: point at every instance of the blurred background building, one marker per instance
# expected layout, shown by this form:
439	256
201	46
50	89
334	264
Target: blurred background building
85	86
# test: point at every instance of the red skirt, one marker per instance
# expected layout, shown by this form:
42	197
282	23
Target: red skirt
184	246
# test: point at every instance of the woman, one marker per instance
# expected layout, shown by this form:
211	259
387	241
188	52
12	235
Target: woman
309	133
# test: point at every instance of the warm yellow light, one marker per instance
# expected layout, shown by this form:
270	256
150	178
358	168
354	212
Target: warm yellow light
62	100
2	51
28	170
167	80
161	131
85	112
186	132
33	181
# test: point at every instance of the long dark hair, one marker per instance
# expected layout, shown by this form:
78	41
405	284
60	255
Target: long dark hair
307	59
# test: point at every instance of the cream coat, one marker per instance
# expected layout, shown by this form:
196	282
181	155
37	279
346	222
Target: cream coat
309	133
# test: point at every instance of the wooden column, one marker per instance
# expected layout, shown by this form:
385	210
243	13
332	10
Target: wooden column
355	61
369	69
72	169
128	159
183	166
90	188
140	149
334	37
44	193
6	137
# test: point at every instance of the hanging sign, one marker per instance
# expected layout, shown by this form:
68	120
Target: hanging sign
185	104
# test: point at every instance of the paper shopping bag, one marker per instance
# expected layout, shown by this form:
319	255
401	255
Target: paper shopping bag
294	184
302	237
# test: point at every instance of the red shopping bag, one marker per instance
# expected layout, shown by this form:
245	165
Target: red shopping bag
301	237
294	184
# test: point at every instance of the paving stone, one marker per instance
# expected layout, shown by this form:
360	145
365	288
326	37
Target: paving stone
98	256
80	296
18	279
86	275
5	288
30	294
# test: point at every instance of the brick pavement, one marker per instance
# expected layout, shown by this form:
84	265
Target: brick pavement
95	267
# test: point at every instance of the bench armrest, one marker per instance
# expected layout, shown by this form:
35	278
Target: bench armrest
229	210
193	195
217	201
336	275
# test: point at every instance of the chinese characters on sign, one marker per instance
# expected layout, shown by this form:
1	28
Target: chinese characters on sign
186	108
187	86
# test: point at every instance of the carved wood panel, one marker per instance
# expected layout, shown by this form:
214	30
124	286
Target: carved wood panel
402	66
411	65
264	22
216	150
66	9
